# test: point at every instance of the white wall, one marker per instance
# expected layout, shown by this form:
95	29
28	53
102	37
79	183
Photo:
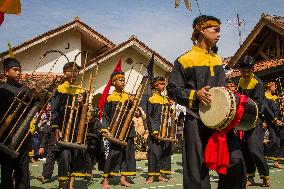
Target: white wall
29	58
106	68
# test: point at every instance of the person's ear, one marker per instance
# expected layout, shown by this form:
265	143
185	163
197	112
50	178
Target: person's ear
202	31
6	72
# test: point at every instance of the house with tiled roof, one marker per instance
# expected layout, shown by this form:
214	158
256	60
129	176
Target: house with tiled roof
74	37
266	44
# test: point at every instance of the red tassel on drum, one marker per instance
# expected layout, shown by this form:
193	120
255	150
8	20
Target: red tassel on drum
216	155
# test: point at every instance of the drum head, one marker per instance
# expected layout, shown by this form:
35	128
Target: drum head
214	114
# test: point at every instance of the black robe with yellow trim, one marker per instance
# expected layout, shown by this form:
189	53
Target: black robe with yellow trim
159	153
113	101
191	72
120	159
70	161
253	88
63	97
273	109
252	146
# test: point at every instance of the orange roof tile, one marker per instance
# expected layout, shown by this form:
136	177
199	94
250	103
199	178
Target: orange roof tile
260	66
44	79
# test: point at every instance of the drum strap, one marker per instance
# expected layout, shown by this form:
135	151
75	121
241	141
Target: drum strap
216	154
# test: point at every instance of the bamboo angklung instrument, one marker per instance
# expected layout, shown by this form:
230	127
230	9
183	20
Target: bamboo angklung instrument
118	130
83	118
173	123
75	132
7	119
164	134
165	122
12	144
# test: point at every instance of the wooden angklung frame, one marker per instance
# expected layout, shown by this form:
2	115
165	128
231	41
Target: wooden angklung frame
75	123
15	124
168	124
121	122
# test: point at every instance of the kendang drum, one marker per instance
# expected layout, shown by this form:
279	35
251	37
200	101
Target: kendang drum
222	110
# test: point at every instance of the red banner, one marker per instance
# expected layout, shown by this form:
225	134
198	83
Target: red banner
106	90
1	17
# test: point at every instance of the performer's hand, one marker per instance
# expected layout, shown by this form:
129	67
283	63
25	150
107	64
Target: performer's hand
41	151
155	135
105	132
131	98
265	141
204	96
146	134
57	135
279	123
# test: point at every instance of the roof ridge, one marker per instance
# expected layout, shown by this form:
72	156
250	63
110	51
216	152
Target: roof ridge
75	21
131	38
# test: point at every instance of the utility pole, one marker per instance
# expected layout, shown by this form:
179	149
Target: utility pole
240	23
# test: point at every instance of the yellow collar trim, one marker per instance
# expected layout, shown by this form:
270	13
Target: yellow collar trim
200	50
269	96
248	83
118	97
156	98
66	88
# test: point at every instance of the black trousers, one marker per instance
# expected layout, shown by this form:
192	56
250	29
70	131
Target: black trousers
281	148
166	161
271	149
159	157
48	166
95	154
20	166
195	173
280	138
121	160
71	163
253	152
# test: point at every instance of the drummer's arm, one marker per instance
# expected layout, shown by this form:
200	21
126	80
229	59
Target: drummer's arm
177	87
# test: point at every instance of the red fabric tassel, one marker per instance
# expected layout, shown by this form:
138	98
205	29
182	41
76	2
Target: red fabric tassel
106	90
1	18
216	155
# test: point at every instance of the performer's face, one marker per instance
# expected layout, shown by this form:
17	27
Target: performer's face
119	84
13	74
211	35
160	87
264	125
231	87
246	73
71	74
137	113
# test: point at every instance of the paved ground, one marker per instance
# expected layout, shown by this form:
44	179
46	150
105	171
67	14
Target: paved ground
174	183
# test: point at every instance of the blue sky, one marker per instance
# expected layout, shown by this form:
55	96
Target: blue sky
155	22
